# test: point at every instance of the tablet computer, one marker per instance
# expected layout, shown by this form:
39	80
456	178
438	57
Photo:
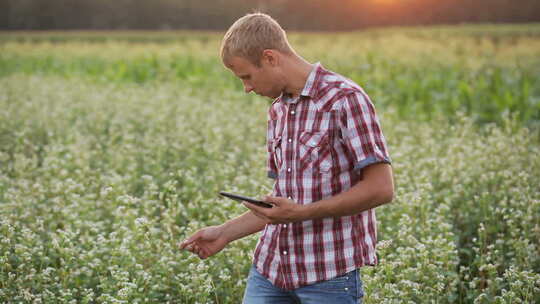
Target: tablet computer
240	198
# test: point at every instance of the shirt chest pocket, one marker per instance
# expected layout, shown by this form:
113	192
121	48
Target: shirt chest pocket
275	149
315	151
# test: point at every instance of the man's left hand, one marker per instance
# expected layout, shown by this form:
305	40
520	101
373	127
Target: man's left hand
284	210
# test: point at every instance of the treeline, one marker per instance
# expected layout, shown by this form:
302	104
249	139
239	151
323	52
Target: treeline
293	14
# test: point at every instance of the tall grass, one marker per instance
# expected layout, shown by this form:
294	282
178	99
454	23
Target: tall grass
483	76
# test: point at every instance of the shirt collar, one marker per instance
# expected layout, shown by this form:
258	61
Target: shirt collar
311	84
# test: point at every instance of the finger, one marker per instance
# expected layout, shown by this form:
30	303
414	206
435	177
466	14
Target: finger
256	208
271	199
189	240
249	206
189	247
193	249
203	253
265	197
184	245
274	200
257	213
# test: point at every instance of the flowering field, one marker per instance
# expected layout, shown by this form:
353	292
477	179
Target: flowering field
113	149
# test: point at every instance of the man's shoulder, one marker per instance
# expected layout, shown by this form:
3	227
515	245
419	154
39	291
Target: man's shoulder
338	81
333	88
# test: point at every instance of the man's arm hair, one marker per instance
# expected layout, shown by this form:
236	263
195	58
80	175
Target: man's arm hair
374	189
242	226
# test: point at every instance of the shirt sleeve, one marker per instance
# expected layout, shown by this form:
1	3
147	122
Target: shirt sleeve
270	161
361	131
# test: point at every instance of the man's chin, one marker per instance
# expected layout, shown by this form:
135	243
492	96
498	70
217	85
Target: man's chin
272	96
267	96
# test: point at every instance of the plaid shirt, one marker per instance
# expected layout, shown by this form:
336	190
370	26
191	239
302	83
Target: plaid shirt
317	145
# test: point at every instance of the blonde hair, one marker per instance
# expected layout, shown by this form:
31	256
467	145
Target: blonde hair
250	35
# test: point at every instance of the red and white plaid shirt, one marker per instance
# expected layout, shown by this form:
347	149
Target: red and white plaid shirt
317	145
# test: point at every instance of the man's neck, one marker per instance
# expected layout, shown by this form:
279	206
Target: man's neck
297	73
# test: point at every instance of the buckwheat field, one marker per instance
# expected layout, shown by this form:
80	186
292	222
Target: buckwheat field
113	147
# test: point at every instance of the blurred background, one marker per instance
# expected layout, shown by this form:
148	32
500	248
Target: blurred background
293	15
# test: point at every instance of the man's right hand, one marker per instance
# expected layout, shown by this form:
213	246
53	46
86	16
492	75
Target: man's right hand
205	242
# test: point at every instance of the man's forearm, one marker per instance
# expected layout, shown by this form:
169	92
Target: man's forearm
346	203
366	194
244	225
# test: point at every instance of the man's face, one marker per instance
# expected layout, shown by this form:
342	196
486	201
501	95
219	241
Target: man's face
262	80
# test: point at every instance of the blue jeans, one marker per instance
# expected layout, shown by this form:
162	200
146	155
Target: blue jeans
343	289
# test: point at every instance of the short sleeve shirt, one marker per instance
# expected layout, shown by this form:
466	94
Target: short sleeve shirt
317	146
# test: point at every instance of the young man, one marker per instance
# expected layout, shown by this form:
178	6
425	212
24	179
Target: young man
328	156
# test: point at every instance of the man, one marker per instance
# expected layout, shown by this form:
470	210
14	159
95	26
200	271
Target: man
328	156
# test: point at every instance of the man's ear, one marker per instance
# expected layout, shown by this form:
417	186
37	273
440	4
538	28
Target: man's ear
270	57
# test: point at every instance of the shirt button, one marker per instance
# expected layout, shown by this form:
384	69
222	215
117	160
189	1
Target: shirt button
292	112
284	225
290	139
285	252
290	197
288	169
